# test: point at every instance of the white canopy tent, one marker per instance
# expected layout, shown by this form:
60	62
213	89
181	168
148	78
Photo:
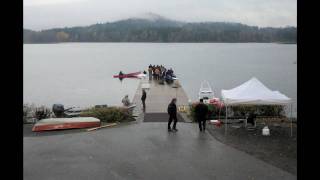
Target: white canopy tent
253	92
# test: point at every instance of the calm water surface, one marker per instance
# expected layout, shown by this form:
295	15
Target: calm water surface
80	74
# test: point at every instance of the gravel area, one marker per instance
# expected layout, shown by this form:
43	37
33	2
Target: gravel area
278	149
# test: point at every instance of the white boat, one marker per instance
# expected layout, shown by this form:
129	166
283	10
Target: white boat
74	112
205	91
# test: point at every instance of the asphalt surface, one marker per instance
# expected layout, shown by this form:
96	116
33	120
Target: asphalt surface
160	117
140	151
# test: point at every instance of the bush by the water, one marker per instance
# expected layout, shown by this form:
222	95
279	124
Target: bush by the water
31	111
241	111
109	114
28	112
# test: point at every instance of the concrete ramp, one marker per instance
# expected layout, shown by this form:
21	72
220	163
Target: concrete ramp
159	96
160	117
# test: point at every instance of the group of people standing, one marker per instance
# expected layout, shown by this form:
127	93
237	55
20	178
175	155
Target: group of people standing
159	72
201	111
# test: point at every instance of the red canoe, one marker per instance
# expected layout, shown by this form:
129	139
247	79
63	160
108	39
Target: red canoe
66	123
127	75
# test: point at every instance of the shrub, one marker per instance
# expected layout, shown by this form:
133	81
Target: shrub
31	111
259	110
240	111
42	112
108	114
213	111
28	112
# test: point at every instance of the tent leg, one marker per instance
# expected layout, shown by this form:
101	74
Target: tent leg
291	119
255	120
225	131
219	113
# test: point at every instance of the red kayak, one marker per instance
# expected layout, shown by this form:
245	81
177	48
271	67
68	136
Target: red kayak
130	75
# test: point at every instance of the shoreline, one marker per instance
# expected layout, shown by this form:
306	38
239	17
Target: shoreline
142	42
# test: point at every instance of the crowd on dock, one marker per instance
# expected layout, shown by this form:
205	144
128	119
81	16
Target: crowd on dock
160	73
156	72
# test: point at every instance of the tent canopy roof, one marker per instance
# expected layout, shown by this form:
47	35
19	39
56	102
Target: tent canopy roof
253	92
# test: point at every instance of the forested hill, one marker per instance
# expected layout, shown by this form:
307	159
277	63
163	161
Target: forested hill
162	30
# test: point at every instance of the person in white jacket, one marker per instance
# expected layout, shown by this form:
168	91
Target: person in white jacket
126	101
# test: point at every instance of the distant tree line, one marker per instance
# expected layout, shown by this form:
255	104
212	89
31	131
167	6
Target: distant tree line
141	30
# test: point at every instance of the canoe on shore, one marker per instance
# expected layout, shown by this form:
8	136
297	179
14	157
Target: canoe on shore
66	123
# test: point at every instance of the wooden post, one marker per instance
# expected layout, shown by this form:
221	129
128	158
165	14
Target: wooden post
291	119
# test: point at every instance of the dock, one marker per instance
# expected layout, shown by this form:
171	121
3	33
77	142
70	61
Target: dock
158	98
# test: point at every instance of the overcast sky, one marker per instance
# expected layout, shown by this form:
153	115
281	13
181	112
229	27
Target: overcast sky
44	14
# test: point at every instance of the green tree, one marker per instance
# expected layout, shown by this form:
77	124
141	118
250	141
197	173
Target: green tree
62	36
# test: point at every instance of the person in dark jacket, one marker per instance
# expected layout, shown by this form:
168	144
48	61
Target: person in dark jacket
251	118
172	111
201	111
169	72
143	99
150	73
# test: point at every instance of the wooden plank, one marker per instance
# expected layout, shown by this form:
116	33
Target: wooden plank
96	128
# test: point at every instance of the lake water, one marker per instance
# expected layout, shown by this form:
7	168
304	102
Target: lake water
80	74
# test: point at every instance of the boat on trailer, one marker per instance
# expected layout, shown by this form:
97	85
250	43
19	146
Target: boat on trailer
206	91
73	112
66	123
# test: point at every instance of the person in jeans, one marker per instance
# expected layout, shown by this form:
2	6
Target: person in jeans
157	72
201	111
172	111
150	72
143	99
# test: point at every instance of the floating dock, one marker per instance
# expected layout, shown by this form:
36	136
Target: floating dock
158	98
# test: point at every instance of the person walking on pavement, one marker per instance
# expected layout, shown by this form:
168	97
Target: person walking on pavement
143	99
172	111
201	111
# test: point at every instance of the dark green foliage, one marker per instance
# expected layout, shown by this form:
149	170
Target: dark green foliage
260	110
31	111
108	114
163	30
28	112
241	111
42	113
